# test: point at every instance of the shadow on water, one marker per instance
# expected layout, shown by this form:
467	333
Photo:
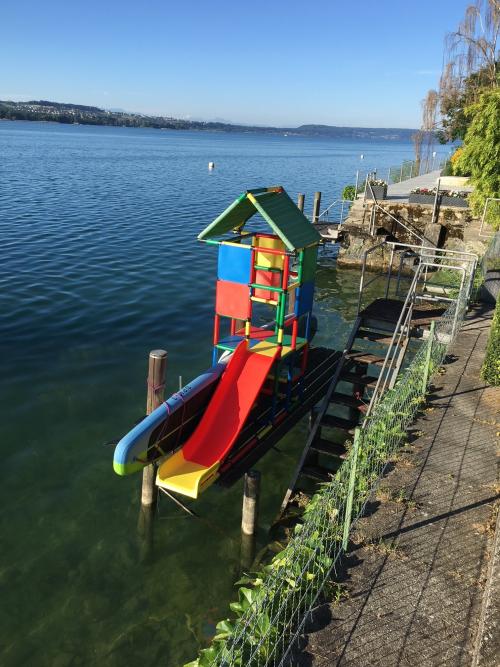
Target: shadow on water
100	266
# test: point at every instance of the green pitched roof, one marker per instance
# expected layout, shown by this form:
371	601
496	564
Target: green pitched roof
279	211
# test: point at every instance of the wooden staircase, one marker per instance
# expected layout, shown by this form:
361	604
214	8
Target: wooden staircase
349	394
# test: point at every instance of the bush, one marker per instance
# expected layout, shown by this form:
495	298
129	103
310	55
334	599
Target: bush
490	372
349	192
447	169
480	154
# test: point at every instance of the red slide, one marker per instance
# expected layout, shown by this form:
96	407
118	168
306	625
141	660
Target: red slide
196	463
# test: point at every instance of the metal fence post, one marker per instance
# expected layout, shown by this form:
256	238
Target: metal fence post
428	356
350	492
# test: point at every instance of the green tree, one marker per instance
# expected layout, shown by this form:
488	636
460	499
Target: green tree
454	99
480	156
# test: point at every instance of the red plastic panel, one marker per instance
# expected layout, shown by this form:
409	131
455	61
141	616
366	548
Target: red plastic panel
267	278
233	300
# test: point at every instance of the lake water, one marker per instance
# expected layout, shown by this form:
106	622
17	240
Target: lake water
99	264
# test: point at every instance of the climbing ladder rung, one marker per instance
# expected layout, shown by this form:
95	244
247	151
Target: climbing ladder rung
270	302
270	269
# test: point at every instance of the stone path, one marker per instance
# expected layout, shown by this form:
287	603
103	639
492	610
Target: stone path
419	564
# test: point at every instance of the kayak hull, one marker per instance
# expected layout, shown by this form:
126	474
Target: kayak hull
167	427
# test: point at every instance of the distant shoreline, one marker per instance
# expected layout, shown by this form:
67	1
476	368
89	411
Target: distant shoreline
77	114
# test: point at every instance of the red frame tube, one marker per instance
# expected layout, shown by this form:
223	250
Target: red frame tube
295	328
216	328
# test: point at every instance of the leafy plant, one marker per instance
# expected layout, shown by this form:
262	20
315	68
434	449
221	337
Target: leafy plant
349	192
490	372
481	153
270	599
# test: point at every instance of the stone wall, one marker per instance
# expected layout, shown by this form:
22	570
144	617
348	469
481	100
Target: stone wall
449	230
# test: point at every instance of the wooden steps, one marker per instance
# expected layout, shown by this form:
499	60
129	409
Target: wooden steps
323	446
374	336
376	324
366	358
317	473
348	401
347	425
355	378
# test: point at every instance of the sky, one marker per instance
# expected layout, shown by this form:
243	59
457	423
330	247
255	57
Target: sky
283	63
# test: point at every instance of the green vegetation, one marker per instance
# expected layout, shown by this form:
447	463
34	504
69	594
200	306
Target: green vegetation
447	169
44	110
490	372
271	600
470	69
480	155
291	574
454	102
451	279
349	192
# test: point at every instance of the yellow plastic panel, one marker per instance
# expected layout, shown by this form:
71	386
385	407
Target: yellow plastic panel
185	477
268	349
269	260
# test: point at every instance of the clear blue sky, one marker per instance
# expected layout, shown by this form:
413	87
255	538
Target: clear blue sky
336	62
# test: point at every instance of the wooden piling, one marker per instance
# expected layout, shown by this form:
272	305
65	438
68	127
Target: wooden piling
316	206
156	395
251	494
300	202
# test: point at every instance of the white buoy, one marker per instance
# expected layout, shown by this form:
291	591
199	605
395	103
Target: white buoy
211	165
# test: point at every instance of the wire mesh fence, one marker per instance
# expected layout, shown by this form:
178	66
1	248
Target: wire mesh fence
273	606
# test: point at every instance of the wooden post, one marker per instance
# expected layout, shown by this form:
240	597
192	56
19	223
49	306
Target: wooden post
156	395
251	493
249	518
300	202
350	492
428	356
316	206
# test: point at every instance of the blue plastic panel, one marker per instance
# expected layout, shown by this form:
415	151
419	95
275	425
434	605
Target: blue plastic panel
304	300
234	263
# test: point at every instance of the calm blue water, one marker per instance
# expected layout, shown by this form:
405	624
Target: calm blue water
99	264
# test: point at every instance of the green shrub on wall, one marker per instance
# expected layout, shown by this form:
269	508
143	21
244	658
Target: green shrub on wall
349	192
490	372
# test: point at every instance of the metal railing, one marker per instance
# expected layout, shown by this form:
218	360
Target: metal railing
483	218
403	223
403	328
336	212
275	605
430	256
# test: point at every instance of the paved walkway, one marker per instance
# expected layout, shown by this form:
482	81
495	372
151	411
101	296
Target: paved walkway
402	190
419	564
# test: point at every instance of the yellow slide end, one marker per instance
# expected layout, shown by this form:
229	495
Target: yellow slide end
185	477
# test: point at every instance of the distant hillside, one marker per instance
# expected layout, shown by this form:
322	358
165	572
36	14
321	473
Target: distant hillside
44	110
